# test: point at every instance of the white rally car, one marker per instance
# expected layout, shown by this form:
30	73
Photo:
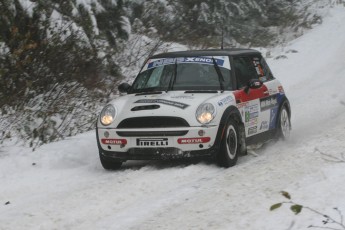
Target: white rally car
191	104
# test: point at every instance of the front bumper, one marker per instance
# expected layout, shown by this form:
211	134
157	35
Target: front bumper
157	144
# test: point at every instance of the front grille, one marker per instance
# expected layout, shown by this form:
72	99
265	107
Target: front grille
152	122
152	133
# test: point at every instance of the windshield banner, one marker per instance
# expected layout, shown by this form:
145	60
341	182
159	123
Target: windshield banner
222	61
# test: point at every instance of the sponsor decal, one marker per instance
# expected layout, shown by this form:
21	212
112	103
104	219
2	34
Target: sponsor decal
114	141
272	91
257	84
251	115
182	97
268	102
165	102
252	130
281	89
225	101
197	140
241	105
201	60
205	60
252	122
258	68
264	125
273	117
165	61
152	142
252	108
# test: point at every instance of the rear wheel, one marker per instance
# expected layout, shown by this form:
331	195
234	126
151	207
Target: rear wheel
109	163
284	124
230	147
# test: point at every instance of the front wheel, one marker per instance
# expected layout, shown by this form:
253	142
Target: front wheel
109	163
230	147
284	124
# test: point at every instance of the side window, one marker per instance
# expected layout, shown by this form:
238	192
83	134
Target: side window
261	67
245	70
251	67
267	72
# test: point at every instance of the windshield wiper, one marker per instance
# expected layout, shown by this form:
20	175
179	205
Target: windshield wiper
201	91
173	78
220	75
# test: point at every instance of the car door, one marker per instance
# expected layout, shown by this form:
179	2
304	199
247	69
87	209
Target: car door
249	102
269	104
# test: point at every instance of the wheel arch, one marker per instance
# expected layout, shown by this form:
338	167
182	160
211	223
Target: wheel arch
284	102
232	112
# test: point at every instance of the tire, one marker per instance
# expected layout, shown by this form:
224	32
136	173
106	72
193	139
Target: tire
283	124
109	163
230	145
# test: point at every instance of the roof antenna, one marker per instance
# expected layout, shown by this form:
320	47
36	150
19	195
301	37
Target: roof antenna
223	22
222	44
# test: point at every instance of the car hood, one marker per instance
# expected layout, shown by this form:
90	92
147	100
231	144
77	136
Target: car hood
172	103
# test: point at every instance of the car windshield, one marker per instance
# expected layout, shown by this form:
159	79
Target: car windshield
186	73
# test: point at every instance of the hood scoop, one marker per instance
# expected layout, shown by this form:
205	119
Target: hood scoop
145	107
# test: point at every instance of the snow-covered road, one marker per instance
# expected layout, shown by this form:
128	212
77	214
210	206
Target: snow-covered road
63	186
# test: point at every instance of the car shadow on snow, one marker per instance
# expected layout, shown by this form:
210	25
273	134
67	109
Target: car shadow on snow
165	164
253	153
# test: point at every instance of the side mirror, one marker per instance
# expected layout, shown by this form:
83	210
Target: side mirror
124	87
253	84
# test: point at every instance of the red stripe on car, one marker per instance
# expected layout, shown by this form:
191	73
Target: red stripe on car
114	141
197	140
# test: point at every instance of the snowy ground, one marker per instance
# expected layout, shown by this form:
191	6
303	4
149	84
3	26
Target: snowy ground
63	186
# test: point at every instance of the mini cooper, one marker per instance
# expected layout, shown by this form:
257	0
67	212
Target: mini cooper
201	103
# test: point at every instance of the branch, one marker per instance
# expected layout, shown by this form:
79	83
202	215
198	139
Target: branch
297	208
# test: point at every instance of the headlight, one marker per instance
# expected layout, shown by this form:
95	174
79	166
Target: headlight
108	115
205	113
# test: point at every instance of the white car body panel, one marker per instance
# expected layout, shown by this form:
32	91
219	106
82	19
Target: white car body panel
124	105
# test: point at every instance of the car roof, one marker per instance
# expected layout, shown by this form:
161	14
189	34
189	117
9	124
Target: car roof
208	52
